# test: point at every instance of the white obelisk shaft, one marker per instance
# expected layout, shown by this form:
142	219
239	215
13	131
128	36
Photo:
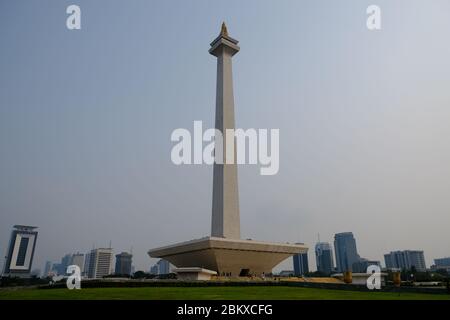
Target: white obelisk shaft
225	207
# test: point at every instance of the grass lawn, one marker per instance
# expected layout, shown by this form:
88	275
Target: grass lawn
193	293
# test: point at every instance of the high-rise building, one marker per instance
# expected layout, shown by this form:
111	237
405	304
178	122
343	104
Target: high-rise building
123	263
100	262
36	273
345	250
19	257
87	259
154	269
78	259
56	268
164	267
47	269
405	260
442	263
324	258
362	264
65	262
300	264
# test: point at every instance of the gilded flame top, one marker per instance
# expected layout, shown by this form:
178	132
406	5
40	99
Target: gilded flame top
224	30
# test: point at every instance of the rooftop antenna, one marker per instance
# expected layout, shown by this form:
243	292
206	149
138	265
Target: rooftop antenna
110	244
318	237
131	250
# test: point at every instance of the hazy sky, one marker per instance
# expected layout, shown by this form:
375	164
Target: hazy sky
364	119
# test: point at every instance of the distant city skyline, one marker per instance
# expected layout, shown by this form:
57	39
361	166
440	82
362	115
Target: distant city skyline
398	259
86	117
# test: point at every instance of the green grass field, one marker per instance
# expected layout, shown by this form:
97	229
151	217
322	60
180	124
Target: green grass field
209	293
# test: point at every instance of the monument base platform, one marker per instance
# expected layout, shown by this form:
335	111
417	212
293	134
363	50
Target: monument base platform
228	257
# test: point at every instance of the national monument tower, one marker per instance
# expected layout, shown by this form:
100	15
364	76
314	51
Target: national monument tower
224	252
